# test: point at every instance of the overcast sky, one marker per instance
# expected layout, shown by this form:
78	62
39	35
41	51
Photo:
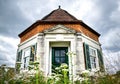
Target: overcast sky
16	15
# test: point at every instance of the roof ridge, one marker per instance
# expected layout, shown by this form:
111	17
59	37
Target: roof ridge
71	15
59	15
47	15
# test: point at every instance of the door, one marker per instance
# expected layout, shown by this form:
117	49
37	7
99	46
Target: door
59	56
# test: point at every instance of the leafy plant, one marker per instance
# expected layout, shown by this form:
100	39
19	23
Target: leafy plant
60	76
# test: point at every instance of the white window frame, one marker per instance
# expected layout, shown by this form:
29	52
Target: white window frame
27	58
93	54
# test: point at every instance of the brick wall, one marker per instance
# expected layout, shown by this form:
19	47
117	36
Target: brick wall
42	27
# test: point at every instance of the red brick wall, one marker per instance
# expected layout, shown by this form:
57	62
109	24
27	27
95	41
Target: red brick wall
42	27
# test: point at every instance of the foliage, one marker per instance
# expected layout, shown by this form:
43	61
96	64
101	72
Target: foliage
108	79
6	74
18	65
97	78
60	76
35	76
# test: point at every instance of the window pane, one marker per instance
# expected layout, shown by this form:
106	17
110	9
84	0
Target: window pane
57	60
93	61
62	52
26	62
92	52
27	53
62	60
57	54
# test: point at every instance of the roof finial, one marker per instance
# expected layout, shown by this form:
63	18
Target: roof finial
59	7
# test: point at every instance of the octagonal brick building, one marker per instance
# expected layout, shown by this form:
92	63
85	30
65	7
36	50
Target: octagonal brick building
49	39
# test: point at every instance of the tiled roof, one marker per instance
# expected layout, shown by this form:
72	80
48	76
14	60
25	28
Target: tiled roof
59	15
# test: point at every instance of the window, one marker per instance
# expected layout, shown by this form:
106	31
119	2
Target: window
19	56
26	58
92	53
60	56
92	56
28	55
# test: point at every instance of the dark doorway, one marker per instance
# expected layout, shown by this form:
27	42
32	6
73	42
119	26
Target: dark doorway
59	56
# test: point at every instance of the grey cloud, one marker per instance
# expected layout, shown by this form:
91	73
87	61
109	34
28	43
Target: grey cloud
108	23
106	8
7	53
12	20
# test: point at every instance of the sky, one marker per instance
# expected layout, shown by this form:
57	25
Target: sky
101	15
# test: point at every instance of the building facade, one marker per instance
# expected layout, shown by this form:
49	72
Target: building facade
49	39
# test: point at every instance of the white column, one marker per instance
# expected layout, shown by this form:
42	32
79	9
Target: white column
47	58
80	63
40	51
72	67
78	49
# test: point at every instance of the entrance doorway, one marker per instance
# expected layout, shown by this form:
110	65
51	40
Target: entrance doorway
59	56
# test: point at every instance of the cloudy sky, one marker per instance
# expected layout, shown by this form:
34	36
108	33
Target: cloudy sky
16	15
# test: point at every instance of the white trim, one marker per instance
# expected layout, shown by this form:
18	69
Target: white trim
23	56
28	40
55	45
90	42
90	39
97	64
79	35
48	45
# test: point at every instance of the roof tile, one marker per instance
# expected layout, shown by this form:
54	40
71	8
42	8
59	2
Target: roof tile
59	15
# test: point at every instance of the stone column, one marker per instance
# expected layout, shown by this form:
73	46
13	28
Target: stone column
40	50
80	63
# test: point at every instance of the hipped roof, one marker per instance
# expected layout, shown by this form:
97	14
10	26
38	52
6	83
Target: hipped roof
58	16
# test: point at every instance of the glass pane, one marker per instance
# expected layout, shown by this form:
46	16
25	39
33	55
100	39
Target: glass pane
27	59
57	60
57	54
93	62
26	62
92	52
27	53
62	52
62	60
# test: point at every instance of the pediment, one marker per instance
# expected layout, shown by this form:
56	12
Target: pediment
59	29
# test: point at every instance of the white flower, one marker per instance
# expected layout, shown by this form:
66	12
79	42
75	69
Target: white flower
65	70
85	71
51	77
57	78
31	72
57	68
64	65
58	75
